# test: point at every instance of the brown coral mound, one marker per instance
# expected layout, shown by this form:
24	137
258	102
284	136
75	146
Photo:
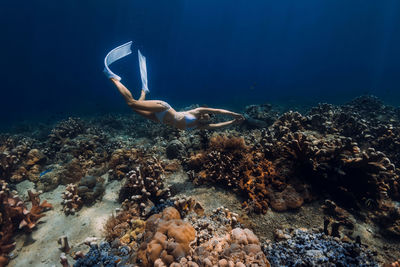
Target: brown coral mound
240	247
14	216
118	225
167	237
124	160
388	140
145	182
334	164
72	202
229	162
19	160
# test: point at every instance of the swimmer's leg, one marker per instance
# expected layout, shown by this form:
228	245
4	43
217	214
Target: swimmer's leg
147	114
124	91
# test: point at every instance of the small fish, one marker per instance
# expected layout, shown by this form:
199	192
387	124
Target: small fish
44	172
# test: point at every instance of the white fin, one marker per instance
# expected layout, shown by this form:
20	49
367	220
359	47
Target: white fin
115	54
143	72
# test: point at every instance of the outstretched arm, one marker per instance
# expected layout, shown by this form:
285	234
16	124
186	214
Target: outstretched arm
218	111
221	124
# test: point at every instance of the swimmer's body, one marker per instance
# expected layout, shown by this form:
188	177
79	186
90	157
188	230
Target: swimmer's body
160	111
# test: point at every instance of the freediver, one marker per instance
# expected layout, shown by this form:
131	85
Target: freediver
161	111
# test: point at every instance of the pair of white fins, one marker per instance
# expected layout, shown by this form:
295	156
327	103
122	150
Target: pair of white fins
120	52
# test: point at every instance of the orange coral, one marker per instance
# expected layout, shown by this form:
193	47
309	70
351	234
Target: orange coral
167	238
14	215
228	161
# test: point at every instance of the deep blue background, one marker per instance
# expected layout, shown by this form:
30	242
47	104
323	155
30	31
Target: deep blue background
224	53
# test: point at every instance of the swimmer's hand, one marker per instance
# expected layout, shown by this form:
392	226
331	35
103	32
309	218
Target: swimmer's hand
239	118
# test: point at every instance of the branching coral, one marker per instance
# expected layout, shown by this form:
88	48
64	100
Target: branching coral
334	164
229	162
72	202
66	129
122	161
14	215
100	255
145	183
120	224
221	162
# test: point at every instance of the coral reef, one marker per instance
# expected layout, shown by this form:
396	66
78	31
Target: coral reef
102	255
175	150
230	162
145	183
120	224
260	116
90	188
167	237
240	247
122	161
14	216
72	202
346	156
19	159
307	248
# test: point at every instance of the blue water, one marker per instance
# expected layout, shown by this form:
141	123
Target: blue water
223	53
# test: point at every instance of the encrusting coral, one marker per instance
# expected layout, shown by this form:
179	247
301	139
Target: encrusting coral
14	216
